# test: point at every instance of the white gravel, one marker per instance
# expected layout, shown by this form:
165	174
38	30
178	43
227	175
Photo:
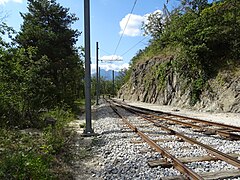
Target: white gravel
120	158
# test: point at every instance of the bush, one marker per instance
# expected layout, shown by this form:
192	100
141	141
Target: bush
32	153
25	166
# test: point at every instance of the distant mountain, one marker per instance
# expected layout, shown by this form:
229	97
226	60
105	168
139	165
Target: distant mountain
107	75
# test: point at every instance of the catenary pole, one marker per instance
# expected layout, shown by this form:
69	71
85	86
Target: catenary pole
88	129
97	77
113	82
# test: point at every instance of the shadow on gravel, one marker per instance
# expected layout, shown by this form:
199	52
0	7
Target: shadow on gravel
105	111
112	131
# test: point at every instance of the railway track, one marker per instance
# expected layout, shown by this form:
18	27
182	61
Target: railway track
210	128
158	129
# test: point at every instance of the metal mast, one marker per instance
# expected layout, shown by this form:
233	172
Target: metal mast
97	76
88	129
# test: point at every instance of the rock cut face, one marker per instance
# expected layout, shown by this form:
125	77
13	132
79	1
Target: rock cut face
147	84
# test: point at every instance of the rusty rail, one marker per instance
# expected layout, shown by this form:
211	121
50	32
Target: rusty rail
176	163
224	157
214	131
220	132
234	128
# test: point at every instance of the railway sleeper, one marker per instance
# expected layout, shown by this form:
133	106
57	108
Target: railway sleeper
209	175
209	132
163	163
156	140
184	126
171	123
177	163
228	135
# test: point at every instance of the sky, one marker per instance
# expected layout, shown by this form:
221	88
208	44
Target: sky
113	26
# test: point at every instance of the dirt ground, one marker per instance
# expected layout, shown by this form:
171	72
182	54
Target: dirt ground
84	162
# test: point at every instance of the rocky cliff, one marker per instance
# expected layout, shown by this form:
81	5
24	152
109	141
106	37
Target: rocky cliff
156	81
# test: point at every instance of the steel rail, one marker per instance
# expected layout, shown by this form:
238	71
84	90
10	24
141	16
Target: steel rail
222	156
176	162
214	131
220	132
234	128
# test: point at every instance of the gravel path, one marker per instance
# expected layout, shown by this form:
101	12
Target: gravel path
117	157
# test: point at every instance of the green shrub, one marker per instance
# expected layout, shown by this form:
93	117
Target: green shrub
25	166
32	153
56	134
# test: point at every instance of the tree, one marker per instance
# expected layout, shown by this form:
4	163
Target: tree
203	37
194	5
154	25
121	79
47	27
19	75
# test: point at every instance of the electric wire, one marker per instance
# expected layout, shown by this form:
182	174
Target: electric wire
105	51
134	46
125	27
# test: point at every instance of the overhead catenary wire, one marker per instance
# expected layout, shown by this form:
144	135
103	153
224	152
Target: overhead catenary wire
105	51
134	46
125	26
128	49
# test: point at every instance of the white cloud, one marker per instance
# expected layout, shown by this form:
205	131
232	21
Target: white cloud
109	66
134	24
3	1
6	1
111	58
18	1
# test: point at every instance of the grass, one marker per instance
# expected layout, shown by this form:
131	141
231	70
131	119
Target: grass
23	156
33	153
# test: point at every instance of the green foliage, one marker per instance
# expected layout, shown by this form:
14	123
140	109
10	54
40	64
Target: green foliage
207	36
47	27
7	31
24	166
106	87
196	90
162	73
41	75
20	97
209	44
44	71
21	157
55	134
93	86
155	25
194	5
31	153
128	74
121	79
